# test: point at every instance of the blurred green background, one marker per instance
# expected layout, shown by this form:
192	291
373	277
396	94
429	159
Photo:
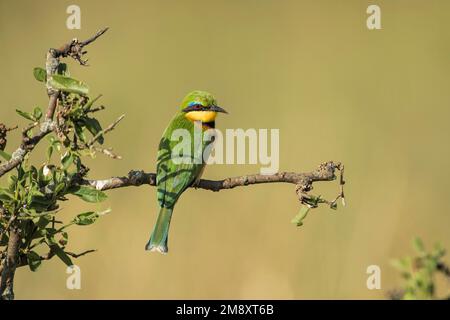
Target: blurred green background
376	100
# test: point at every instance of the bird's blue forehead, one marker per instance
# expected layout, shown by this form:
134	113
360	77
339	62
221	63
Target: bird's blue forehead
202	102
193	103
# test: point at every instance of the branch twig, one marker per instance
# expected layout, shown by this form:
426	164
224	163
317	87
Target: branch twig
26	146
105	131
303	181
77	255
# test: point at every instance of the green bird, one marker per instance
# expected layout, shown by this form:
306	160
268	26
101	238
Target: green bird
178	170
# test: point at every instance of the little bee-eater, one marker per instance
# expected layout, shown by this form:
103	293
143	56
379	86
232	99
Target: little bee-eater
197	114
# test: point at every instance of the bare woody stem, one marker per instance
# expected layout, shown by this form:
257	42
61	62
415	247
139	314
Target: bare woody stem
303	181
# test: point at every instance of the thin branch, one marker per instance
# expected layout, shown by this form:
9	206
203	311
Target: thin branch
94	37
77	255
23	261
96	109
51	254
28	144
105	131
108	152
12	128
28	128
303	181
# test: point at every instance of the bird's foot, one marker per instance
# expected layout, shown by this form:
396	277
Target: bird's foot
196	184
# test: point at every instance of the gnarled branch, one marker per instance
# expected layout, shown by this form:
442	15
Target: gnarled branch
303	181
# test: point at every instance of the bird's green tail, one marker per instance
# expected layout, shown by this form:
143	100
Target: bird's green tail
158	239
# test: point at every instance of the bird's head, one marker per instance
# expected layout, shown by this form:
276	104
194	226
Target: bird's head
200	106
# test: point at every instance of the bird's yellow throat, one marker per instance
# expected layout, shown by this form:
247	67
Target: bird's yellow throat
203	116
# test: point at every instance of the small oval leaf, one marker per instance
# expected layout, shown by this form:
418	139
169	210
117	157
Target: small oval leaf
26	115
40	74
67	84
88	194
34	260
86	218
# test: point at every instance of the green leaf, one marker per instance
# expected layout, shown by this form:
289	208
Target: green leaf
26	115
94	128
67	84
37	113
298	219
88	194
6	195
40	203
42	222
60	187
418	245
49	152
67	160
55	143
438	251
5	155
40	74
80	133
65	238
63	70
61	254
313	201
403	264
34	260
86	218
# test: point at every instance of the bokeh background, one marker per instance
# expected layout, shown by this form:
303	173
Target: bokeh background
376	100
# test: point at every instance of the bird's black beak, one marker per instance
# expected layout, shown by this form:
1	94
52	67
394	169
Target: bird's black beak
218	109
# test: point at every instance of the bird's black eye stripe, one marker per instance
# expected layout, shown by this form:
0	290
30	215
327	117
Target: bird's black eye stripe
196	107
200	107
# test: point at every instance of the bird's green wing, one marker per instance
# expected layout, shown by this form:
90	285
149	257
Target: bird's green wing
173	178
